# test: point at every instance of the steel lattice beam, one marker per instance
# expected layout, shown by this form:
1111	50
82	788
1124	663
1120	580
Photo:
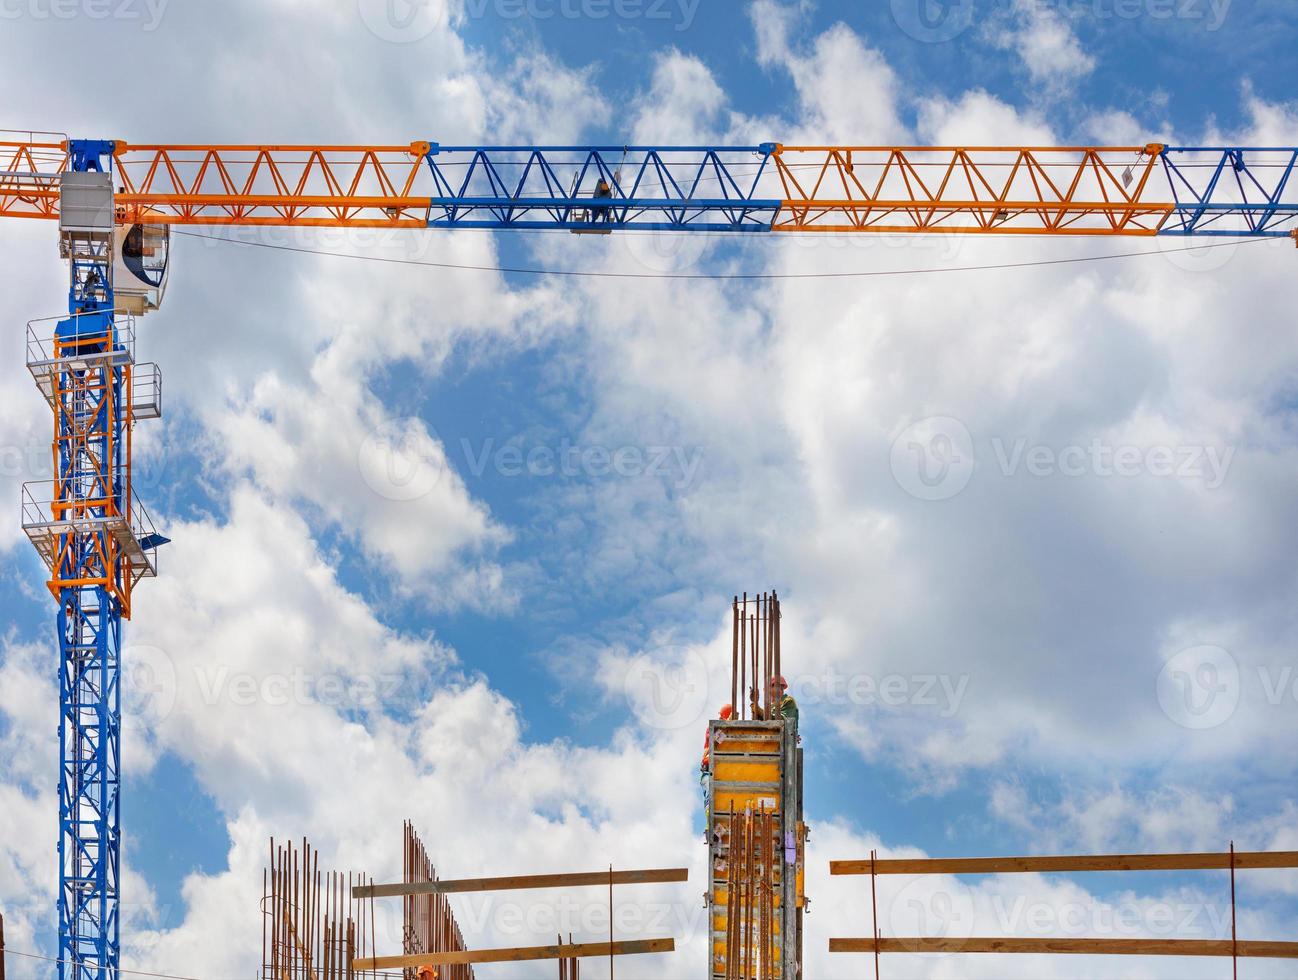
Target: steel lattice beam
766	187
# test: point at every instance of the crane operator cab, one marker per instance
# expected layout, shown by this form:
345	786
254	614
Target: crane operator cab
140	266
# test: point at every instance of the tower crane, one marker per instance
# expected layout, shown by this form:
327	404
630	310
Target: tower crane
115	204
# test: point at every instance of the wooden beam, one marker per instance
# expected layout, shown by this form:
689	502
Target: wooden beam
518	882
1216	861
517	954
1127	947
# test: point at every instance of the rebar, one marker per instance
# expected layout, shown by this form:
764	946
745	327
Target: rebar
314	929
755	657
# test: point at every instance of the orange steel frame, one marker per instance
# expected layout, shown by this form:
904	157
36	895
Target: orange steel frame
884	189
93	392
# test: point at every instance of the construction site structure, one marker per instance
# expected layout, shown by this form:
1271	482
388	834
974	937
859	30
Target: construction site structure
315	926
755	829
115	203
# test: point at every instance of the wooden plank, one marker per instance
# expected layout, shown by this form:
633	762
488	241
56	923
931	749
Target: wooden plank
519	882
1216	861
518	954
1127	947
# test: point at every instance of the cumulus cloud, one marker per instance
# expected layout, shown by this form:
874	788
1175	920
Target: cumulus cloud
829	74
1046	44
386	483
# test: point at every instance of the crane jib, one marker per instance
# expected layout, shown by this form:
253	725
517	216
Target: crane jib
602	188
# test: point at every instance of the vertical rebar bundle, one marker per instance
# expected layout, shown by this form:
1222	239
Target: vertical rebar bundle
428	924
755	656
752	896
569	969
312	928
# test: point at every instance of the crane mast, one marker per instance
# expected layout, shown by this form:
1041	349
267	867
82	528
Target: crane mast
115	202
97	542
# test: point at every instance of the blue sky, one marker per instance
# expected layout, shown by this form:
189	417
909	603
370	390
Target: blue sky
1036	622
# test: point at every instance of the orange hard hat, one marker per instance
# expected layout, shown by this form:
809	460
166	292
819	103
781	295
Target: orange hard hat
779	681
427	973
727	712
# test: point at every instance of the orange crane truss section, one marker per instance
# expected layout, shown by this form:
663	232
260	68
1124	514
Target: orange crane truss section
976	190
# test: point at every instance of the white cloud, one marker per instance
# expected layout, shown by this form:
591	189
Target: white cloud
683	105
387	483
1046	44
829	75
979	118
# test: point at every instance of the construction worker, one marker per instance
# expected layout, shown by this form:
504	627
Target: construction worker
602	212
727	712
782	703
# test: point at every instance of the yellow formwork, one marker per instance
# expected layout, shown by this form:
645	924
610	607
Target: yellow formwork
747	776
